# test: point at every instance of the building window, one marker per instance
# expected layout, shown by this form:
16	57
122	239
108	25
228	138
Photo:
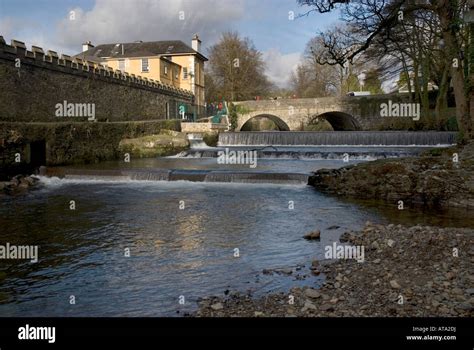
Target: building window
176	74
121	65
145	67
166	69
185	73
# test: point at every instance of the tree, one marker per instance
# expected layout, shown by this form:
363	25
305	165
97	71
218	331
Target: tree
313	79
236	69
212	91
372	22
372	81
414	51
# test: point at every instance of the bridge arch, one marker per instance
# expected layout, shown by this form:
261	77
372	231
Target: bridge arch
280	123
340	121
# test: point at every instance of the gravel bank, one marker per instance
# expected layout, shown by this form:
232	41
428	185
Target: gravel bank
407	271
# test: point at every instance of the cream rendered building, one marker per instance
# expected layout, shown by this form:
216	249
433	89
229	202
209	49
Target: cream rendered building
170	62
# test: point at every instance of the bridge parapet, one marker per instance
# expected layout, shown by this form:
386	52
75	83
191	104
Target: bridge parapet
321	101
286	103
343	113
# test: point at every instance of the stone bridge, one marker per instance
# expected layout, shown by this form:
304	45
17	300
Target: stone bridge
346	113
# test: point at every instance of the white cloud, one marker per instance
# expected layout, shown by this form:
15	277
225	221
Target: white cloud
280	66
30	32
7	25
112	21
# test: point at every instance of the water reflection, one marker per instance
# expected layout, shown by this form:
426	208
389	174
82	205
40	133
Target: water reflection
172	251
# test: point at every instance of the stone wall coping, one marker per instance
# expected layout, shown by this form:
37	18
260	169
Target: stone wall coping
53	54
18	44
37	50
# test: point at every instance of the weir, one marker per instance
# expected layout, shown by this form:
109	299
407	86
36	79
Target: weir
339	138
241	177
118	175
312	153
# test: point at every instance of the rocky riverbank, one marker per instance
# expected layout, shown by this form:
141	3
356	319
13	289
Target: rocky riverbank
441	177
407	271
166	143
18	185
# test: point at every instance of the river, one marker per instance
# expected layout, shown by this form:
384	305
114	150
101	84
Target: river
186	239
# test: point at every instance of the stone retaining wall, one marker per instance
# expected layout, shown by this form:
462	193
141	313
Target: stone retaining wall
33	83
202	127
36	144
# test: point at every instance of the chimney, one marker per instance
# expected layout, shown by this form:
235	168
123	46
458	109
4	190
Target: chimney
87	46
196	43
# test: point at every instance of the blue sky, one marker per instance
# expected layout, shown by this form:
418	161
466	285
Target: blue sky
47	23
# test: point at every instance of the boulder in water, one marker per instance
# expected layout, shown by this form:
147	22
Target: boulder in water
18	184
313	235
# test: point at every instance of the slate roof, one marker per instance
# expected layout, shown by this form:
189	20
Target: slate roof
138	49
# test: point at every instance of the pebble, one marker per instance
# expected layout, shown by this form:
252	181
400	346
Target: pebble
375	245
308	305
327	307
217	306
394	284
312	293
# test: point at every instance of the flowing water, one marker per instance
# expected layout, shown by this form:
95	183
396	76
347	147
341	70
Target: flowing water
353	138
213	233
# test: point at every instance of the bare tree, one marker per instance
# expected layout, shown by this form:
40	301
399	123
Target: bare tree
372	22
237	69
313	79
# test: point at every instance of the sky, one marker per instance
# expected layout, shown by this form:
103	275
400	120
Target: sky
63	25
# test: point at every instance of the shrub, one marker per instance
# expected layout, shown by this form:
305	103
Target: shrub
233	118
211	139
